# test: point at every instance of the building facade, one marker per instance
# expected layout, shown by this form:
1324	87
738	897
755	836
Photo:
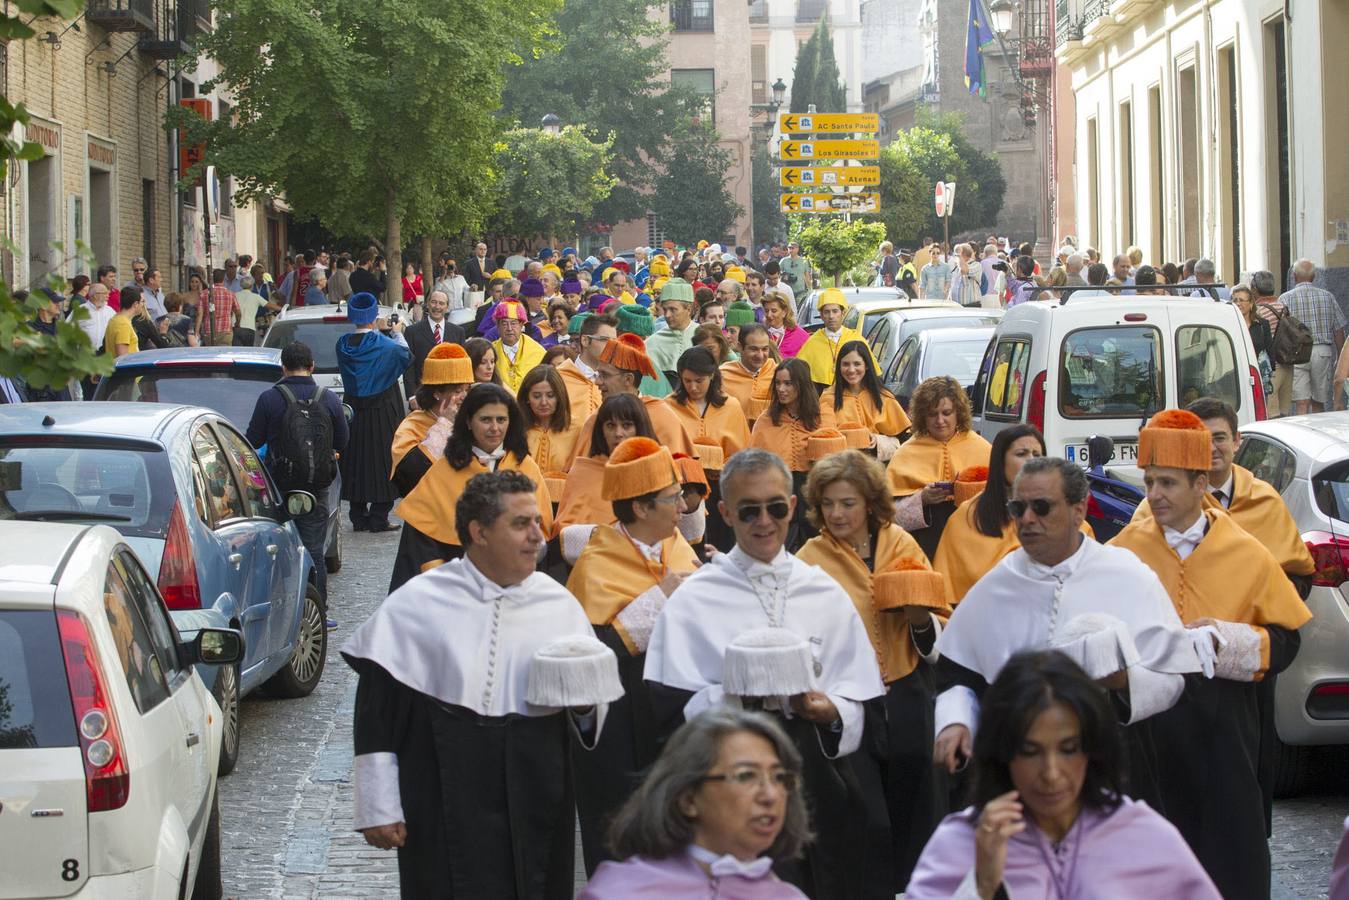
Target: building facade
892	63
778	29
1207	128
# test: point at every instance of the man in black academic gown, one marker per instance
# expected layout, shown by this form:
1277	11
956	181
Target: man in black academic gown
453	767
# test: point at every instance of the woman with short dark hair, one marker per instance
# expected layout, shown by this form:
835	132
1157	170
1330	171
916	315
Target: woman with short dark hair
1050	817
720	805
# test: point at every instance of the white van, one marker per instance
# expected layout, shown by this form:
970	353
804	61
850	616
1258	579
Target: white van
1103	365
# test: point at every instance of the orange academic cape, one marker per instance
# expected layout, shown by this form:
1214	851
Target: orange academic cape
966	554
581	503
429	507
723	426
583	394
1259	509
922	460
411	432
669	430
889	631
787	440
859	409
1230	577
611	572
753	391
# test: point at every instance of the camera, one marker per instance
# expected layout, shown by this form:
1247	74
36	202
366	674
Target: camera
393	318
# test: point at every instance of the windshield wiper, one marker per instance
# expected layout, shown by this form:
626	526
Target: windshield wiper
42	515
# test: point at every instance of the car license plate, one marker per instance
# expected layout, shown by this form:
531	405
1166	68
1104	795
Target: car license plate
1125	452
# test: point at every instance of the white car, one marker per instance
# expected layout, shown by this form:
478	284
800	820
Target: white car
108	738
318	327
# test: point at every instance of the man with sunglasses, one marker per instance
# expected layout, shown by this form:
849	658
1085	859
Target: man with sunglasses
757	585
1027	599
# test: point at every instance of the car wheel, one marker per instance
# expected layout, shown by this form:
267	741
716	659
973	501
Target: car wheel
1291	769
301	673
226	693
208	884
333	562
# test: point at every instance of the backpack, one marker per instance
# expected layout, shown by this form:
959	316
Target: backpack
301	457
1292	343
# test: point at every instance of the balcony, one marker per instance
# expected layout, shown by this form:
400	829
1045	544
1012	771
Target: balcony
122	15
811	11
195	16
172	38
691	15
758	12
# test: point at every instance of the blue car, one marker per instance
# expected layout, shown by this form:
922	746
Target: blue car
227	380
193	500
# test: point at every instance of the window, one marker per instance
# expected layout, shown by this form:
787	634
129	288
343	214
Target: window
1093	181
258	497
221	498
135	651
1188	143
232	391
1007	382
655	235
1111	373
1272	463
1157	174
811	11
162	633
34	698
1126	172
1206	365
758	73
691	15
699	81
129	489
900	369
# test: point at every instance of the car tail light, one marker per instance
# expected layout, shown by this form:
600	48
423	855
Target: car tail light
1331	555
106	779
336	319
1258	392
1094	510
1035	410
1332	689
178	568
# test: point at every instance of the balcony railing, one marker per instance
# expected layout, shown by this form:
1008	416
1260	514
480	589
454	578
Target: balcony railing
195	14
122	15
811	11
172	38
691	15
1067	27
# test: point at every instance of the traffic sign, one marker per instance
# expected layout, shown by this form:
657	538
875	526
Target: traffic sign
829	123
939	199
868	148
831	203
829	176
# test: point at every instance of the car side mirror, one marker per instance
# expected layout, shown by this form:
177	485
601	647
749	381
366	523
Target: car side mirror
300	503
215	647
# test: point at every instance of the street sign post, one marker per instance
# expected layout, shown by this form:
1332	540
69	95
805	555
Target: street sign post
868	202
829	176
829	123
869	148
944	201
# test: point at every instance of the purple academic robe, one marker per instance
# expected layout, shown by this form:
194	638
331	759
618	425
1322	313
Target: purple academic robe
1130	853
637	878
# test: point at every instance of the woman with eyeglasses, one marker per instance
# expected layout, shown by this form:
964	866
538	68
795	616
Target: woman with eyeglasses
622	579
719	807
857	402
922	472
488	436
1049	816
981	531
620	417
793	414
548	426
848	501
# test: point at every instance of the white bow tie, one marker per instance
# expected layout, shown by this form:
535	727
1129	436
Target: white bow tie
728	865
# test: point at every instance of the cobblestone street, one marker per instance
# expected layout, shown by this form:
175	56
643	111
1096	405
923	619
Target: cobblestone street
286	812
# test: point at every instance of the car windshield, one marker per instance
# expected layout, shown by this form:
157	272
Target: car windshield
319	336
230	390
34	699
923	323
1110	373
959	359
64	480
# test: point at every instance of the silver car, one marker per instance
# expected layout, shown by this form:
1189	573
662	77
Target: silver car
1306	459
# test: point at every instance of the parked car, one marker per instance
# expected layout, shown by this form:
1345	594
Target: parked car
898	325
229	381
1114	362
318	327
1306	459
109	741
189	495
936	351
860	300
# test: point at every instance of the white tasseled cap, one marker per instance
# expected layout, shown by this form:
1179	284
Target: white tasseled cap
573	671
768	662
1098	642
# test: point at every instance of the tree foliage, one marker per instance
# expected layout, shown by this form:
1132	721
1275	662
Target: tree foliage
980	184
691	200
815	79
549	184
836	247
770	224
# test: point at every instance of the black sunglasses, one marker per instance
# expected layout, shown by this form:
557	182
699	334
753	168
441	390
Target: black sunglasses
750	512
1040	506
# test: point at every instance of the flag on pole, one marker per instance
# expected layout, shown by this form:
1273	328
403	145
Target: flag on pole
979	36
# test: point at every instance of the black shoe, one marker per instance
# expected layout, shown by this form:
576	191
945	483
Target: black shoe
360	526
386	526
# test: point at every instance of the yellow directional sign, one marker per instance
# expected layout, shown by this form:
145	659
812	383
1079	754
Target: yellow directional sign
831	203
829	123
829	176
830	149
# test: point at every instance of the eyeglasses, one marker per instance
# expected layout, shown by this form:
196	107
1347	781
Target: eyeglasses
1040	506
748	778
750	512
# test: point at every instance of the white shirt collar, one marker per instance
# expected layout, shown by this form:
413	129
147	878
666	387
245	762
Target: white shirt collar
489	589
651	551
833	335
754	568
509	350
722	866
489	460
1185	542
1061	572
1226	489
588	372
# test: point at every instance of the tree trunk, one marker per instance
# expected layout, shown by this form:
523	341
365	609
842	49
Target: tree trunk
393	244
428	267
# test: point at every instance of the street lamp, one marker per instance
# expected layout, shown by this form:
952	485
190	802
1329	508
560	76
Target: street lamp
551	124
1001	12
779	92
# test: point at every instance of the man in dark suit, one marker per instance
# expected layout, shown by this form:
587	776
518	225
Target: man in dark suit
479	268
434	329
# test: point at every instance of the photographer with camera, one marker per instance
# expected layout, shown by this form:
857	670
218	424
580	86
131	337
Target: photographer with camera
796	270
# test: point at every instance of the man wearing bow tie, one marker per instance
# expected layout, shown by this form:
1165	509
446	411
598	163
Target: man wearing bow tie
434	329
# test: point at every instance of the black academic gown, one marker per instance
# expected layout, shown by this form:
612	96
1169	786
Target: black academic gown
487	800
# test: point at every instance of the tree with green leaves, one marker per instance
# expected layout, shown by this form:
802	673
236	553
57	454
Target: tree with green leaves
980	184
35	358
911	165
815	79
836	247
549	184
376	118
770	223
691	200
